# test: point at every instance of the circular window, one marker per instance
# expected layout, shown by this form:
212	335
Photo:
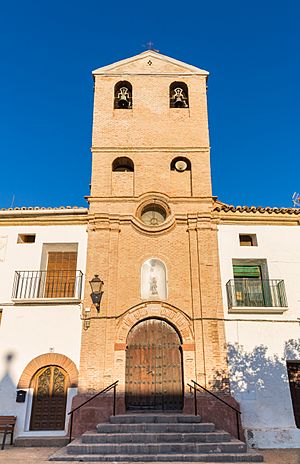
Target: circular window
153	215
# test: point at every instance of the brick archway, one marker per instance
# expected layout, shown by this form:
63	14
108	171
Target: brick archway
48	359
153	310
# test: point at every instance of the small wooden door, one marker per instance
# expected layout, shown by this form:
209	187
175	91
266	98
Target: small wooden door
49	401
154	367
294	380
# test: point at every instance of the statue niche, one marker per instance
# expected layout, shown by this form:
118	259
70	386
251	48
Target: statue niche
153	280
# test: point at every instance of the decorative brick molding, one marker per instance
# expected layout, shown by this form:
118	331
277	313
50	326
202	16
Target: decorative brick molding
54	359
154	310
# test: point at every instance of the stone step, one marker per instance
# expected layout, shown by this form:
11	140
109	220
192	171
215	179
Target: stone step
230	458
154	418
148	437
156	427
233	446
41	442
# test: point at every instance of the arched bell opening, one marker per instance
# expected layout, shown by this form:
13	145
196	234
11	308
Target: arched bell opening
123	95
123	164
179	95
180	164
50	386
154	367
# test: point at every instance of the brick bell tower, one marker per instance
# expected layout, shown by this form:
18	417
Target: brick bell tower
152	238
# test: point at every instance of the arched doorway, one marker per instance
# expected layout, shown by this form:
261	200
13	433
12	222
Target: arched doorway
50	385
154	377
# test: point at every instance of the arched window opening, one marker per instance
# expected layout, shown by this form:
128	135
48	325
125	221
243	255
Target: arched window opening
180	164
179	95
153	280
123	164
123	95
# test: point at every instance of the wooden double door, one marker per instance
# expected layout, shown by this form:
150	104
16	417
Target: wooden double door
49	399
154	376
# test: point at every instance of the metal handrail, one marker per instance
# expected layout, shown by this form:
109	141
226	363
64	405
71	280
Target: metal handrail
105	390
197	386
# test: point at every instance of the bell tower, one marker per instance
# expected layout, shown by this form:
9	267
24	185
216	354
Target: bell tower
152	233
151	109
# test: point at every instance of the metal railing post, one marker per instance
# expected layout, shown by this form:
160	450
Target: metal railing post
195	402
114	407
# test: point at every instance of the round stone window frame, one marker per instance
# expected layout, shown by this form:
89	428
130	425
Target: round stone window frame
146	204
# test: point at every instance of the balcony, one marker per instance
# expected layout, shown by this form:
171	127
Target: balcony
256	295
47	286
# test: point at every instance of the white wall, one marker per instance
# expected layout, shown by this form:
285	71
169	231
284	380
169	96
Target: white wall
27	256
260	344
28	331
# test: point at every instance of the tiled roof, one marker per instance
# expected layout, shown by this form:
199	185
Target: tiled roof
43	208
254	209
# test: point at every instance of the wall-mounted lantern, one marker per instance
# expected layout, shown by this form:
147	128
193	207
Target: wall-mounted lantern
96	285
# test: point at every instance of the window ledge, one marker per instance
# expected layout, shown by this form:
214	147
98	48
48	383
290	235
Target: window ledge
257	310
45	301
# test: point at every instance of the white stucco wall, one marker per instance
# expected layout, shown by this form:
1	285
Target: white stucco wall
27	330
259	345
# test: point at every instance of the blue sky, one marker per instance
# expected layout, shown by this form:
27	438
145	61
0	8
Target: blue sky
49	48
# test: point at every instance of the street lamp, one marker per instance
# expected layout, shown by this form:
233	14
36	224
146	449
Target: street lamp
96	285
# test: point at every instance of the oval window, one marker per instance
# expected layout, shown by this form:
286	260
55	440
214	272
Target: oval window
153	215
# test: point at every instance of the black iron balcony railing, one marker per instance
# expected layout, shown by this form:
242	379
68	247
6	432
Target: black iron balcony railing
30	285
243	292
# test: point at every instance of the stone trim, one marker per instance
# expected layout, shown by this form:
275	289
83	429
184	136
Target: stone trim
155	310
48	359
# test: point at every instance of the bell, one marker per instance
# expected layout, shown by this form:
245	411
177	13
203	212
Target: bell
179	103
123	102
123	98
179	98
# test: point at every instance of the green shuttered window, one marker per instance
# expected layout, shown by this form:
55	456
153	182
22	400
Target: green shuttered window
246	271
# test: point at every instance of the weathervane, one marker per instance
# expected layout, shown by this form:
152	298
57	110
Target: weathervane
296	199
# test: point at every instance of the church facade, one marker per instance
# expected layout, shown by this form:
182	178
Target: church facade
193	289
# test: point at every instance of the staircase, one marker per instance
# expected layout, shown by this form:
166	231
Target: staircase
156	437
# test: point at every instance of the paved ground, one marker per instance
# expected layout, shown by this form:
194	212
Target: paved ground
13	455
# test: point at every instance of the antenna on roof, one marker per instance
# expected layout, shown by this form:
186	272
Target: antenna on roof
12	201
296	199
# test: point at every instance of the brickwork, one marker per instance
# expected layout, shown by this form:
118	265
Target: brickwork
151	134
48	359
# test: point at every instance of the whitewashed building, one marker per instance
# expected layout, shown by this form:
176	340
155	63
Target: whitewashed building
260	264
42	265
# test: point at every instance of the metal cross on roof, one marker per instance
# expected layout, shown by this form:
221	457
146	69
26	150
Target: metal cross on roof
150	45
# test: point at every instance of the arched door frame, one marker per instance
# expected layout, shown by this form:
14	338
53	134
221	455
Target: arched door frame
34	387
25	379
174	316
162	387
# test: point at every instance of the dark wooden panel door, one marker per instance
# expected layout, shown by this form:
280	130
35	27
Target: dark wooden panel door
294	380
49	400
154	367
